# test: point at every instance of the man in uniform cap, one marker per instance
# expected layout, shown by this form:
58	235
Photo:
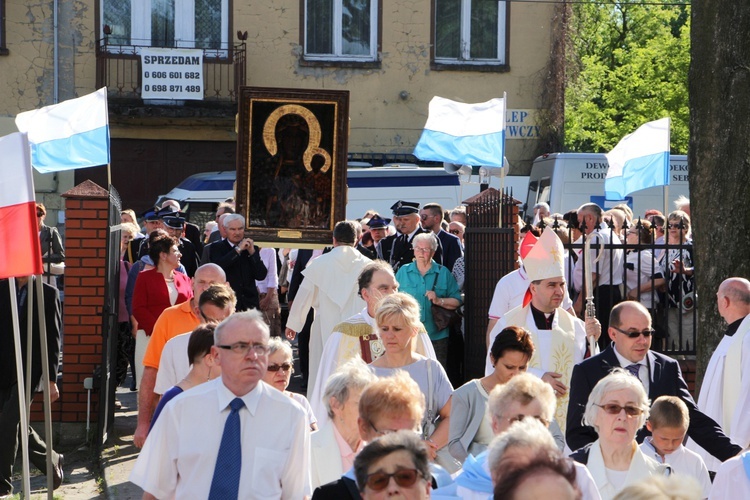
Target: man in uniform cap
559	337
174	224
397	248
379	231
152	221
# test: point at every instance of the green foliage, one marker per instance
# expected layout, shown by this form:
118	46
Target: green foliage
629	65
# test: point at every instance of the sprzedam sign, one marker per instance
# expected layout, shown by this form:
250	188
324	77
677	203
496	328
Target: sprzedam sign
171	74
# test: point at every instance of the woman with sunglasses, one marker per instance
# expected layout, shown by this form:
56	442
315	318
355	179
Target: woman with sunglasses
617	407
395	465
279	373
333	447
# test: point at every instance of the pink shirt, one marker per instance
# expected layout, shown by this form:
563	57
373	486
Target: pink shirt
347	455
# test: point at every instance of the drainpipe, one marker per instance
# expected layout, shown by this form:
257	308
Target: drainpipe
56	70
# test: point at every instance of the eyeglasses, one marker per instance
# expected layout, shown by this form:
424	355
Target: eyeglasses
283	367
675	226
403	477
455	231
39	214
615	409
426	216
424	250
634	335
243	347
519	418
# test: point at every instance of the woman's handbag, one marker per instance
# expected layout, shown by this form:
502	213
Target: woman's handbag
444	458
442	317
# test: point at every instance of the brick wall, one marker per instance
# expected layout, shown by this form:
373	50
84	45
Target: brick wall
86	209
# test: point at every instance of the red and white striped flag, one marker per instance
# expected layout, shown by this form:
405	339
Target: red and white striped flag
20	251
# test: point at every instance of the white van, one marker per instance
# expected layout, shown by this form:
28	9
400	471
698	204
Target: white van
374	188
568	180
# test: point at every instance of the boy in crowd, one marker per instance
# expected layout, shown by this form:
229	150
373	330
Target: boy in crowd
668	423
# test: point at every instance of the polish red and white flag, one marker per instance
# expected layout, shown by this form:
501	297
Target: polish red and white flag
20	251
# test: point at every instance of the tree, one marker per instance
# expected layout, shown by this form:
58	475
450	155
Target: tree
719	156
628	66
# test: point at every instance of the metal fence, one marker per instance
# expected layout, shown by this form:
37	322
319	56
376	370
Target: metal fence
118	67
637	262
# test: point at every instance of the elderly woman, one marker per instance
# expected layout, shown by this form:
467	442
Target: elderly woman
279	372
387	405
430	283
679	272
155	290
470	426
333	447
522	396
202	366
395	465
617	407
397	320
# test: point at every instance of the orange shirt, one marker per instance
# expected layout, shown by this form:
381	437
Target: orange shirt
172	322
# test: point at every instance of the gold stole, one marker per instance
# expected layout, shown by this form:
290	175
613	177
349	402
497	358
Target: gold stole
563	345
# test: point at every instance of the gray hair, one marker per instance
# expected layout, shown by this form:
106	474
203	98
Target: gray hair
429	237
523	388
528	433
279	344
249	317
354	375
617	380
231	218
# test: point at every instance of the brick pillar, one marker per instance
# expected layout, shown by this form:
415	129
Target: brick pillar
86	214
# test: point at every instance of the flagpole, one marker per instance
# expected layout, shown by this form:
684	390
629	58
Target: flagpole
23	421
29	325
41	313
109	176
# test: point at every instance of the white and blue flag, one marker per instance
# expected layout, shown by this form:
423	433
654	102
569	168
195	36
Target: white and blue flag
464	134
70	135
639	161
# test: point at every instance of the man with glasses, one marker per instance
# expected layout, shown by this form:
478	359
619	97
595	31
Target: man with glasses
173	321
449	244
214	441
630	331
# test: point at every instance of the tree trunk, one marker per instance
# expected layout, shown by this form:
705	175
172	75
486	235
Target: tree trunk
719	157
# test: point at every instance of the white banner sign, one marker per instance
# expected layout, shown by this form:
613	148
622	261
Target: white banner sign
171	74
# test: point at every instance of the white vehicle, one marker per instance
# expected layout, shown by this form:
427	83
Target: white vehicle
568	180
374	188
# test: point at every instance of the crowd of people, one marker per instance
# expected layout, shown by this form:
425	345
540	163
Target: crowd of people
574	402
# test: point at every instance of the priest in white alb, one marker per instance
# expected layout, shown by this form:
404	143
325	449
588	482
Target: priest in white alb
725	391
559	337
329	287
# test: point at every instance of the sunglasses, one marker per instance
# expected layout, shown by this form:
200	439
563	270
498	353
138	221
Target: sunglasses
615	409
284	367
634	335
674	226
403	477
455	231
40	214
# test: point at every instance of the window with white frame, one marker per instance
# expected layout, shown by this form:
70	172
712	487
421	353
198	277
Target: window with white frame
470	32
201	24
342	30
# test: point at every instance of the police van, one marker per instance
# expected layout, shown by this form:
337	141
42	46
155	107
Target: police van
568	180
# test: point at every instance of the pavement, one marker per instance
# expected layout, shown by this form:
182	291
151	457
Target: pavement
105	476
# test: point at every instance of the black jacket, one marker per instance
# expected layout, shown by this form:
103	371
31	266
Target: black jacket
242	269
341	489
53	321
666	380
402	252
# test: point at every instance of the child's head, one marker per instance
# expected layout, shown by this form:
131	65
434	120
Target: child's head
668	423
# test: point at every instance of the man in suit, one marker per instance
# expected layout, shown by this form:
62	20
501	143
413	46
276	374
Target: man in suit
398	246
631	332
241	262
378	231
218	235
9	405
450	246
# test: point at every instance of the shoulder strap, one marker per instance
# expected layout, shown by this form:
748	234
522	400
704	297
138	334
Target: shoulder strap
745	457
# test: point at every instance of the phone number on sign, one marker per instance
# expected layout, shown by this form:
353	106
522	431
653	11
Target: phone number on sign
171	88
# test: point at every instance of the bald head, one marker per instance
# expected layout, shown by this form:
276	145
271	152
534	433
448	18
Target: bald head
733	299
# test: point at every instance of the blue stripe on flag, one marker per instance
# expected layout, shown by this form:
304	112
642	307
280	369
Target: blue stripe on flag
88	149
480	150
638	173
